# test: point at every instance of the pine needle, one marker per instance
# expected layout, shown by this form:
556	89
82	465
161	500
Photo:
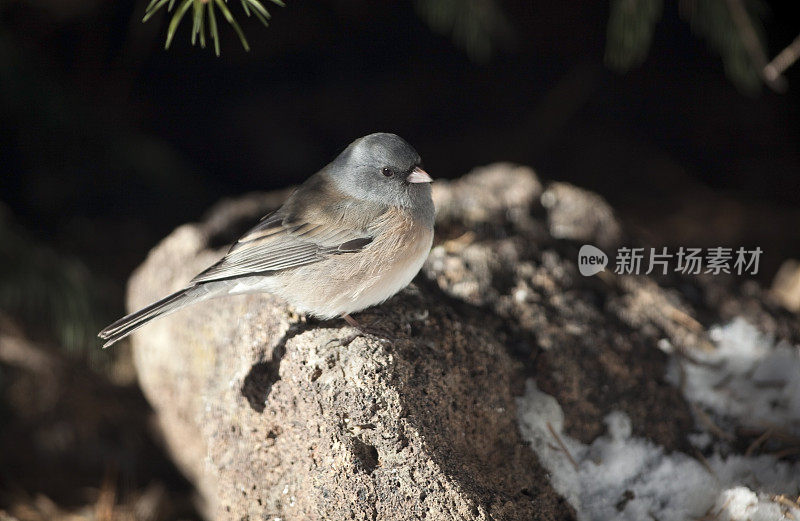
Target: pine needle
198	17
261	12
231	20
202	28
150	5
212	24
154	6
176	19
199	14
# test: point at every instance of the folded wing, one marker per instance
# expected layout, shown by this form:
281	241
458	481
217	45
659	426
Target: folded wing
281	242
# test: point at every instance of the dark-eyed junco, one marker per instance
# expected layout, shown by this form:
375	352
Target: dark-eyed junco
354	234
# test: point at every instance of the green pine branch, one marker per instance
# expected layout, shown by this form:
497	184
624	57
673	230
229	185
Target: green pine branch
734	30
204	18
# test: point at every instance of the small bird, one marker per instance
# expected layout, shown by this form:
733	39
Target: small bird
351	236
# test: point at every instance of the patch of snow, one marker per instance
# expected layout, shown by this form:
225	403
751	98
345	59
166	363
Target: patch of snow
742	504
620	477
747	378
700	440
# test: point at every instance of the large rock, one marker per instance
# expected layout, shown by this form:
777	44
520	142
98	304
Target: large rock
276	417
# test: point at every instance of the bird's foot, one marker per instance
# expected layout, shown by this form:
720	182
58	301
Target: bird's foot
361	332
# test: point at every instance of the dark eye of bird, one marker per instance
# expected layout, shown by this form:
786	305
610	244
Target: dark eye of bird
388	172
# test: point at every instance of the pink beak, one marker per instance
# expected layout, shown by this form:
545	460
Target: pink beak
419	175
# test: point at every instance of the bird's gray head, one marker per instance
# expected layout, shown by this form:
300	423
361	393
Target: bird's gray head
383	168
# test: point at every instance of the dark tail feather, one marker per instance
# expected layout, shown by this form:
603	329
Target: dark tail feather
130	323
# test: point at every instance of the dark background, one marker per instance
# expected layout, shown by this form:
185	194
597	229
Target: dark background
108	142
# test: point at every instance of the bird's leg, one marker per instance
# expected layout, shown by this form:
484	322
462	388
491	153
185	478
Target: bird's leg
362	331
353	322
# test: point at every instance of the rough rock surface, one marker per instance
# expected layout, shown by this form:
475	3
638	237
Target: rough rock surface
276	417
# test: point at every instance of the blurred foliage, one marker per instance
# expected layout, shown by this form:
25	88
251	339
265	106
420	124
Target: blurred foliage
477	26
52	293
712	20
480	27
631	25
204	18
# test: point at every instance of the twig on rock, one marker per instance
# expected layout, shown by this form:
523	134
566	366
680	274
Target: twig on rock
709	423
703	461
783	500
562	446
785	452
783	60
757	442
752	45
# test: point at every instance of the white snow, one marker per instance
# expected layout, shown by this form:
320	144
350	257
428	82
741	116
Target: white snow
747	379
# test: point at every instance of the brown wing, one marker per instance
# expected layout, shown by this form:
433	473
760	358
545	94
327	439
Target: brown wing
304	231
